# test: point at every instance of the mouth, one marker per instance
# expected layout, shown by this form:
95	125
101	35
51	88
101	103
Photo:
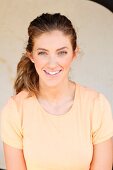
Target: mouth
52	73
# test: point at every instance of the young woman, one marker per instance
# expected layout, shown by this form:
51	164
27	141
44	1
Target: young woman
53	123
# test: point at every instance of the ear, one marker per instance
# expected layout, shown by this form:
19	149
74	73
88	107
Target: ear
30	56
76	53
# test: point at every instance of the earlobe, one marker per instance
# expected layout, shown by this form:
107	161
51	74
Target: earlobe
77	49
32	60
29	55
76	53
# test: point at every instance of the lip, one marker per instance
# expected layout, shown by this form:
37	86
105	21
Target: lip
52	73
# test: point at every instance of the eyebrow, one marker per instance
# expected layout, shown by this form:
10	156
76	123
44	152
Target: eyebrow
56	50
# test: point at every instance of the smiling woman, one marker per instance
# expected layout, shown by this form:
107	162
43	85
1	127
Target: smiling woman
52	60
44	45
52	122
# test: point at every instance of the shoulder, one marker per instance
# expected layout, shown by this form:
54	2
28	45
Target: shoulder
96	105
87	92
91	98
21	98
15	107
17	101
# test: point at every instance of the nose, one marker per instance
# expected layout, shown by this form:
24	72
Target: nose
52	62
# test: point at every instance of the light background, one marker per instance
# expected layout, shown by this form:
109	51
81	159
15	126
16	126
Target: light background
94	25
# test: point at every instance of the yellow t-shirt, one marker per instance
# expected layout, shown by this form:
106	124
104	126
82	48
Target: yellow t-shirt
57	142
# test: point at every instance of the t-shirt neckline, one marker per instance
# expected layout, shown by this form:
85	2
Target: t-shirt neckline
49	114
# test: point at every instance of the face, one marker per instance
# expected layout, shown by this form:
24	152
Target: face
52	56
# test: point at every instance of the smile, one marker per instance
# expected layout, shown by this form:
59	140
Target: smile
52	72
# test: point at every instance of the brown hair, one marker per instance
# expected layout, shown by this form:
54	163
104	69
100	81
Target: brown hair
27	77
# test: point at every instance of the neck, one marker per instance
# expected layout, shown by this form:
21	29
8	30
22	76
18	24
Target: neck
54	93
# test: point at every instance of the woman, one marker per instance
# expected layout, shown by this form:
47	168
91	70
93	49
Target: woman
53	123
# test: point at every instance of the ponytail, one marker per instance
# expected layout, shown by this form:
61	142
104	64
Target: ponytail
27	77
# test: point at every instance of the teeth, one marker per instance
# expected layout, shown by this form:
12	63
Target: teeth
52	72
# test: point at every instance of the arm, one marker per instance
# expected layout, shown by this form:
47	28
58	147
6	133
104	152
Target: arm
14	158
102	156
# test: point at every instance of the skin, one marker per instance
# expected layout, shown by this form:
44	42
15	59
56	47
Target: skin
49	57
102	156
53	53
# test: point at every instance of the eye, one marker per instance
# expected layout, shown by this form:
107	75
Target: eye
42	53
61	53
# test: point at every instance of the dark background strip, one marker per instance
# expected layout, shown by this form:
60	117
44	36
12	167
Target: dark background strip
106	3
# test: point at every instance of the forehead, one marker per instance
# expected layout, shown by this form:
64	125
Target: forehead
53	39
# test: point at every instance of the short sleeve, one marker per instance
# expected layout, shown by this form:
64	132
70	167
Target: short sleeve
102	122
11	130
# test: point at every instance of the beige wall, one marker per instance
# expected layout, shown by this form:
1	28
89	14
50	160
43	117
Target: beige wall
94	24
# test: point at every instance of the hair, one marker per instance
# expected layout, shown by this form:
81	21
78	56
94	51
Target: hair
27	77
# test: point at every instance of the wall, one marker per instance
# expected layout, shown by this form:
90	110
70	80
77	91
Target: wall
94	25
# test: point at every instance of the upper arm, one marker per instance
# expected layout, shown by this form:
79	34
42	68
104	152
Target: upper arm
102	132
102	156
14	158
12	136
11	125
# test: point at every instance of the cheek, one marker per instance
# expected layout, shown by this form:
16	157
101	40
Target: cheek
39	63
38	66
66	63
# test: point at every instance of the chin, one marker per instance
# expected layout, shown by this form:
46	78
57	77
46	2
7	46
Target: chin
53	83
